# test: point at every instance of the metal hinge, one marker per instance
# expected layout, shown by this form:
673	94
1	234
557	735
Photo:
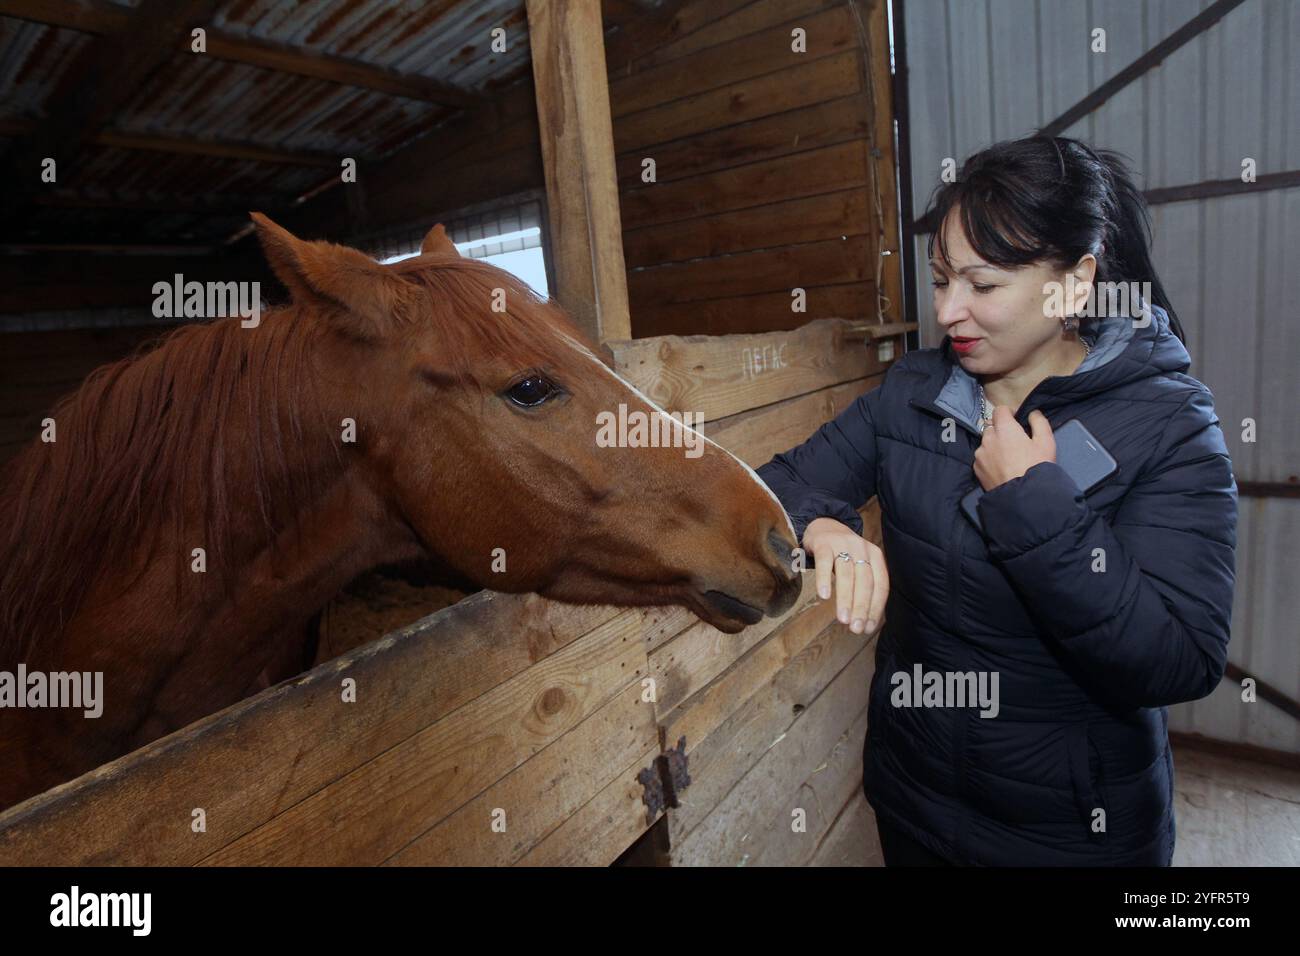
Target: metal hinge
664	780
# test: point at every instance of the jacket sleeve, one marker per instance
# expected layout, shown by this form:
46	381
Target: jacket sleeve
1142	605
833	473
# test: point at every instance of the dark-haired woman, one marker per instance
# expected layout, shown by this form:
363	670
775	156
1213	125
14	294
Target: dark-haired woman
1084	615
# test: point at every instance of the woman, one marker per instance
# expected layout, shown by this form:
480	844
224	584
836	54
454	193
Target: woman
1083	614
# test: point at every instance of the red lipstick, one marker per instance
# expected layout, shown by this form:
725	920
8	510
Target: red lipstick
963	345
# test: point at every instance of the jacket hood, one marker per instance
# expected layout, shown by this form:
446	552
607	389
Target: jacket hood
1124	350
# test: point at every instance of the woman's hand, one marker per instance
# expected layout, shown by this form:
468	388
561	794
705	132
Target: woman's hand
861	583
1006	452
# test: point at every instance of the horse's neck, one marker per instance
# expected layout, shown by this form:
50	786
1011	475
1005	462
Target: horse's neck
325	523
272	558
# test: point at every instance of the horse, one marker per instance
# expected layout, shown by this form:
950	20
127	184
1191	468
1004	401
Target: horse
203	500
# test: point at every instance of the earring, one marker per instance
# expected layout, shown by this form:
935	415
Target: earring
1069	323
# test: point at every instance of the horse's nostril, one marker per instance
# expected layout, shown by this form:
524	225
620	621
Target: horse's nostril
781	548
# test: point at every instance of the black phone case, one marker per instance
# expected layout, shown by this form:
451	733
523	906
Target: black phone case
1078	453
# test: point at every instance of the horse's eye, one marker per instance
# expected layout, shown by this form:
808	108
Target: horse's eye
532	391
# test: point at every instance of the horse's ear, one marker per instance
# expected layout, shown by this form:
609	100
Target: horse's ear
333	276
438	241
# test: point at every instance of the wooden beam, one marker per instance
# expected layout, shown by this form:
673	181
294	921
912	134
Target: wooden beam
125	139
88	16
103	18
196	205
1265	690
76	280
1268	489
568	51
336	69
224	150
1222	187
1147	61
1208	189
127	249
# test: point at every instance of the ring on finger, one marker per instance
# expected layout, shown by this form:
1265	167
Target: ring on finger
844	556
859	560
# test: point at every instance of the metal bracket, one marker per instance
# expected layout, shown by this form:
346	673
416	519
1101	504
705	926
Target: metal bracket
664	780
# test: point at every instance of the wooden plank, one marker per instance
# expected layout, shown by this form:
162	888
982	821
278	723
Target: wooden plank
682	666
707	23
245	764
707	709
818	801
504	822
808	219
655	28
828	32
799	86
785	267
754	437
784	759
603	828
810	173
721	375
568	55
374	810
853	839
704	685
811	127
760	312
734	733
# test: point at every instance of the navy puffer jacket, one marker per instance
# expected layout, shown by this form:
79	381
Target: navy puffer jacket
1094	612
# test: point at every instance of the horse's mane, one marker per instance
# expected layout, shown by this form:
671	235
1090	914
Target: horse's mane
136	437
141	433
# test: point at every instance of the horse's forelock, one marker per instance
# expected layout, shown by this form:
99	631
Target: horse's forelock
459	295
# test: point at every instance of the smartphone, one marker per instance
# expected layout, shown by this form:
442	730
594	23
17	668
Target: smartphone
1077	451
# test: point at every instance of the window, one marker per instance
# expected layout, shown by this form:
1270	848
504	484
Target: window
508	236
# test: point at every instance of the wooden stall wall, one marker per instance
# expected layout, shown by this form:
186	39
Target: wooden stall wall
513	730
772	164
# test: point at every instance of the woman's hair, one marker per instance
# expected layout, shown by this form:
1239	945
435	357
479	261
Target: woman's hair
1052	199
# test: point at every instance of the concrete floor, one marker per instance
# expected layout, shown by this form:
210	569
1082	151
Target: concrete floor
1233	812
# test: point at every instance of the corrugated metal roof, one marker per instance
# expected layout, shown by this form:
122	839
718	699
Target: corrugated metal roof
197	97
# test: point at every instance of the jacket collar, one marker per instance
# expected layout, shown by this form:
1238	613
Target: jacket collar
1124	349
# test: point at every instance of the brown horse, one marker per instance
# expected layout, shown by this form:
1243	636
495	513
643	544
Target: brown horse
472	408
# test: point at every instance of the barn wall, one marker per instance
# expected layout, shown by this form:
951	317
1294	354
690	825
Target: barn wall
980	71
763	176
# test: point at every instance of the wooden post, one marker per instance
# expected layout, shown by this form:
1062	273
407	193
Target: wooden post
568	50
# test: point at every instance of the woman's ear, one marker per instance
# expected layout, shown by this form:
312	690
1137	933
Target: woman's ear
360	294
1079	284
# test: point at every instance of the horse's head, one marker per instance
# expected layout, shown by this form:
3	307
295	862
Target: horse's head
515	454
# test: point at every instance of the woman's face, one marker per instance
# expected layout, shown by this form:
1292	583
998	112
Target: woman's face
999	319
